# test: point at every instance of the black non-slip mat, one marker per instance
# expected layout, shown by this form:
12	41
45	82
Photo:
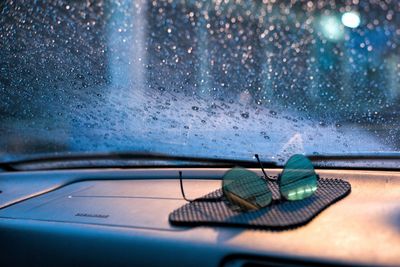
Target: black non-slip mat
279	216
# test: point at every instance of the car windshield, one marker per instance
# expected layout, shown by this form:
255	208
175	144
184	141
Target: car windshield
219	79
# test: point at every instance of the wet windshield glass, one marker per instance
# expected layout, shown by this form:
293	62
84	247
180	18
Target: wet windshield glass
222	79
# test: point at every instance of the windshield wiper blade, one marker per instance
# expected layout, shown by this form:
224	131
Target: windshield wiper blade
382	161
352	157
87	160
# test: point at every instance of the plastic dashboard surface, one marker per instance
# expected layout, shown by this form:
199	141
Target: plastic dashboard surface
88	218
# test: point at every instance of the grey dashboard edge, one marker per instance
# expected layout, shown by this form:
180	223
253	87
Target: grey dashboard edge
46	181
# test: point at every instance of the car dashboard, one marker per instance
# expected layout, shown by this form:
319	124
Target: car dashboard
110	217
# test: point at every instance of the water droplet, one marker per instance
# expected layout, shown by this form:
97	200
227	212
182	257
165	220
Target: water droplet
245	115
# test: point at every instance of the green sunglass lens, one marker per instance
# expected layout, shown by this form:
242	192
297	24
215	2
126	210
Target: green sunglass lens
298	179
246	189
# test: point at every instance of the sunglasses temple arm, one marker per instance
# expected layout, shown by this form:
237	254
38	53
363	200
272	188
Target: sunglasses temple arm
262	168
182	191
197	199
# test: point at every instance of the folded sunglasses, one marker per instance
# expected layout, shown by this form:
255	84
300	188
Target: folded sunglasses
249	191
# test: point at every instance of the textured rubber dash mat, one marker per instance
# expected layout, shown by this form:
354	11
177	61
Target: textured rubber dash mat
281	216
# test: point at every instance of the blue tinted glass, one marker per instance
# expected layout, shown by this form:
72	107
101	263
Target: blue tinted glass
246	189
298	179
